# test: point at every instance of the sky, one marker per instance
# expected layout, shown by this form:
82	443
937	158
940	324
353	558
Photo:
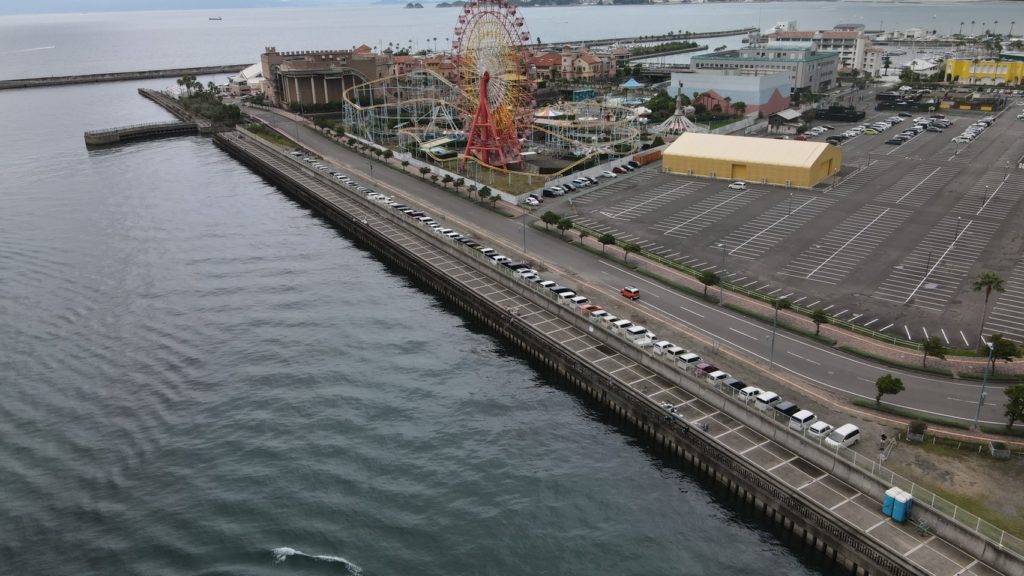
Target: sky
78	6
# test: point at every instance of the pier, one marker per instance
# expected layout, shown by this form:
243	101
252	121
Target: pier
119	76
140	132
828	500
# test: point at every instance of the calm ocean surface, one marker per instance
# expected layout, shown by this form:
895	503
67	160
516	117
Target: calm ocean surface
201	377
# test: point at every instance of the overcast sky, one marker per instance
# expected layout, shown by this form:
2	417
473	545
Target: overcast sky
76	6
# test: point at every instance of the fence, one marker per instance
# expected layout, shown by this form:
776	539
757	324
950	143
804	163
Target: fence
857	329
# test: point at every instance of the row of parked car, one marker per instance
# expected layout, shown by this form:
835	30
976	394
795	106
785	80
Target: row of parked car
936	123
799	420
584	181
974	130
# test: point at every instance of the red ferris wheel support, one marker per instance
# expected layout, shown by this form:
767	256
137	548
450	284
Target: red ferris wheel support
486	142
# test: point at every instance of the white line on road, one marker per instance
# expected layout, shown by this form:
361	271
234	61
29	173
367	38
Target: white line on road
742	333
966	343
696	216
804	359
937	262
907	328
885	328
771	226
961	400
944	337
869	323
918	185
925	330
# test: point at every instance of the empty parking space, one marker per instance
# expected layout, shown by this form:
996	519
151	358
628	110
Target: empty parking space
629	182
860	178
992	196
1007	316
766	231
933	271
832	258
640	203
709	211
917	187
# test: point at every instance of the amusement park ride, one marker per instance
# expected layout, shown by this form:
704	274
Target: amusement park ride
486	117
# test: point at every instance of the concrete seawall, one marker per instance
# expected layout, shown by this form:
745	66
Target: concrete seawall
456	273
119	76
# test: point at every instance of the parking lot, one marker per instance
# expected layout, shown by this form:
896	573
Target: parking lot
893	244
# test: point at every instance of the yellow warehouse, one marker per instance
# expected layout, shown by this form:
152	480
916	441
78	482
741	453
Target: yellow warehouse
795	163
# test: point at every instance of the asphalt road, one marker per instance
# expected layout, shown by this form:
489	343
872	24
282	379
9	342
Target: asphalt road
735	343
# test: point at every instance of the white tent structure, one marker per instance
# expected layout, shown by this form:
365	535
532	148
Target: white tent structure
678	122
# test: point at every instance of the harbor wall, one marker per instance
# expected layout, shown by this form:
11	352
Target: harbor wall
120	76
800	516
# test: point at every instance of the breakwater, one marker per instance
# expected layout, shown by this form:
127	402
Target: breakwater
139	132
649	39
817	496
119	76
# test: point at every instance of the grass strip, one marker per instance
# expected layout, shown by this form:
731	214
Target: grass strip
895	363
1017	432
912	414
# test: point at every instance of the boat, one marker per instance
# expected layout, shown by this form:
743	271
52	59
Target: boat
215	18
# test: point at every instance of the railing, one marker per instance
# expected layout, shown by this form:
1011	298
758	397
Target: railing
986	530
857	329
144	126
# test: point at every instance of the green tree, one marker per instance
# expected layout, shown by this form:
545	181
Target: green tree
709	278
989	282
1002	349
886	63
630	247
434	178
405	164
932	347
459	183
605	239
1014	404
819	317
387	154
740	108
549	218
447	180
887	384
484	193
565	224
583	236
424	171
470	190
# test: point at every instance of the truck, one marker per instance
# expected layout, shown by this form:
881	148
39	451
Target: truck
646	158
840	113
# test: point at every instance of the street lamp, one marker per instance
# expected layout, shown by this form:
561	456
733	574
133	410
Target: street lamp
721	279
984	381
775	324
957	231
790	211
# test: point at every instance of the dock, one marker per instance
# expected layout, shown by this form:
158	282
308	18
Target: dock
139	132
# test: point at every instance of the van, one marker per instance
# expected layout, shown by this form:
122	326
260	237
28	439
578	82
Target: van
688	358
661	346
547	284
766	400
802	420
716	377
843	437
598	315
636	332
621	324
674	351
749	393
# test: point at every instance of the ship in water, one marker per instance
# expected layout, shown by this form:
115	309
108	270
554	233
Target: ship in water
215	18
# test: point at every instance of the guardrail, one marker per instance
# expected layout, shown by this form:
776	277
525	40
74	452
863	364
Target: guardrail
762	296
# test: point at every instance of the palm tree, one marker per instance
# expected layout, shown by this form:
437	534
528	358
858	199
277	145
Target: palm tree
987	281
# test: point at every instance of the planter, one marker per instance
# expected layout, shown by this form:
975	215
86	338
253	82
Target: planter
999	450
911	437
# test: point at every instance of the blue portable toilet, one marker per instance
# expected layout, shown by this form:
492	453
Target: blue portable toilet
902	505
890	499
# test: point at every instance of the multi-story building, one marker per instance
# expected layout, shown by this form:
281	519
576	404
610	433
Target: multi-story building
852	45
576	63
763	94
808	68
313	77
985	72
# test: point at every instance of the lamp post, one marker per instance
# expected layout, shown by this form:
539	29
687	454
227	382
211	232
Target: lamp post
1006	174
957	231
721	279
775	324
984	382
789	212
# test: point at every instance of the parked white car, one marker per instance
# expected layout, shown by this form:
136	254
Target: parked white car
738	186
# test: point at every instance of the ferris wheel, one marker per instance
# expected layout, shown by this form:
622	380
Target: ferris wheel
488	47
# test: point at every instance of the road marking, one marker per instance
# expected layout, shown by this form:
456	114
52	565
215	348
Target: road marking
771	226
925	330
990	197
944	337
918	185
966	343
870	322
840	249
907	328
937	262
804	359
962	400
742	333
720	204
827	307
798	300
885	328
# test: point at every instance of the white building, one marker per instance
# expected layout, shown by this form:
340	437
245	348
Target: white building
808	68
852	46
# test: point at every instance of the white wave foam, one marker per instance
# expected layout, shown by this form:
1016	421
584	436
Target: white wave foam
28	50
282	554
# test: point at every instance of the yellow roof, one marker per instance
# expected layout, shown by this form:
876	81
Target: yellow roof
748	150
